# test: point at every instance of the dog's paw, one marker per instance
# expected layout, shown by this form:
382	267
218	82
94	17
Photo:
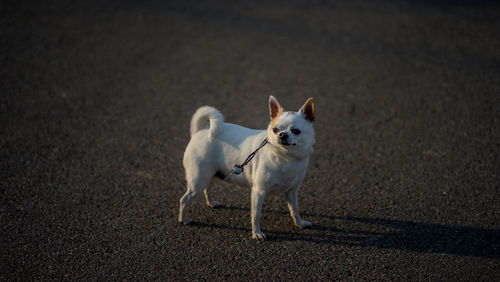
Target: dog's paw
304	224
185	220
215	204
259	235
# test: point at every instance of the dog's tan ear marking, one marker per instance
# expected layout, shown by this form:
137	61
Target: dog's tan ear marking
308	110
275	109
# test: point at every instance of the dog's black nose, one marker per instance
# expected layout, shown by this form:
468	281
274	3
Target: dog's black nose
283	135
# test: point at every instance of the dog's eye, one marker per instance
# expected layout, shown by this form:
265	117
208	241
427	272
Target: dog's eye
295	131
276	130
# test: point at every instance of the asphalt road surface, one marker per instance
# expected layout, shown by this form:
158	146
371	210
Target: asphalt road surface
95	105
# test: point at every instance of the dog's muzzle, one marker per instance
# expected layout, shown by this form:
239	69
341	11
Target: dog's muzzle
283	136
283	139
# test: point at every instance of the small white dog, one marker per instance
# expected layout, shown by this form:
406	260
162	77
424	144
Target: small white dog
279	166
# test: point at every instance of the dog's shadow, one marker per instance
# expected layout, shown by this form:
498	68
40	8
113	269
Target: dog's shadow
387	233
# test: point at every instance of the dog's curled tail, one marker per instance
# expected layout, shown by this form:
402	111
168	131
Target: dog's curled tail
204	114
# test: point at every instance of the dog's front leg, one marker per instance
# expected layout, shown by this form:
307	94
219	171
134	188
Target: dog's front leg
293	206
257	200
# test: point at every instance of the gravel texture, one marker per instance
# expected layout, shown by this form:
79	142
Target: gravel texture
95	105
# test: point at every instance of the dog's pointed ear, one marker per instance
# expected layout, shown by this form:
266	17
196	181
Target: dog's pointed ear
275	108
308	110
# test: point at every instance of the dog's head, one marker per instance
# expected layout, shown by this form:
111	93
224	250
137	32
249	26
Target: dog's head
291	132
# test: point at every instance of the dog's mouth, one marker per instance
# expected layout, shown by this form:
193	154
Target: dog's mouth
285	143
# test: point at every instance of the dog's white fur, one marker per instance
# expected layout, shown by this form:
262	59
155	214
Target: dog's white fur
280	166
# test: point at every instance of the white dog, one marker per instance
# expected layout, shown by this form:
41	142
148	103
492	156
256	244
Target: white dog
278	166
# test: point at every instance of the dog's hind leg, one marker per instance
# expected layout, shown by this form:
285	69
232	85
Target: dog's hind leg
195	184
211	203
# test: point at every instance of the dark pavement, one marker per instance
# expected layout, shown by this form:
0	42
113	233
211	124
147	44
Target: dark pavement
95	105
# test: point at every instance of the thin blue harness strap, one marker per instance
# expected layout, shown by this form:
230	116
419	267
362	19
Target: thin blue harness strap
248	159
